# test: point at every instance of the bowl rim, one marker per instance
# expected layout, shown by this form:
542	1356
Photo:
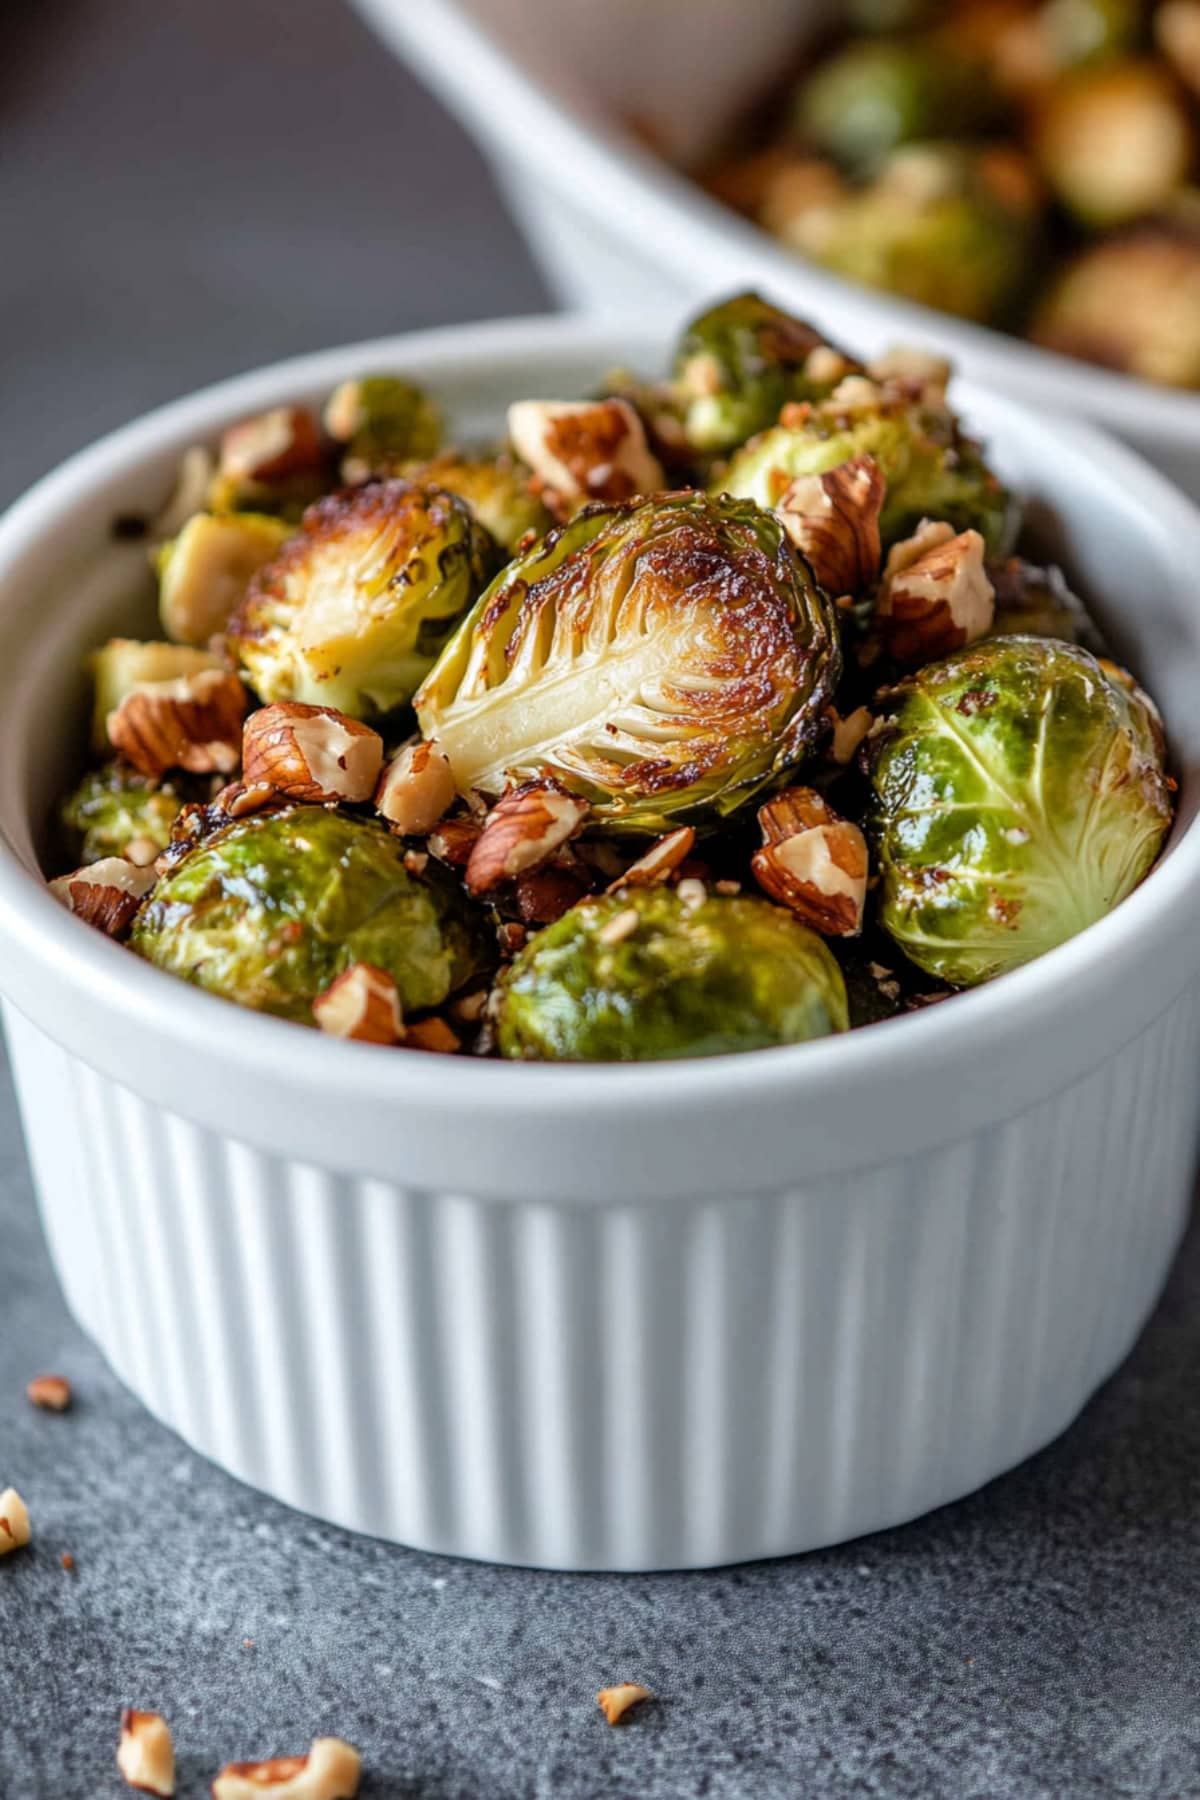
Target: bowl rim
51	950
602	169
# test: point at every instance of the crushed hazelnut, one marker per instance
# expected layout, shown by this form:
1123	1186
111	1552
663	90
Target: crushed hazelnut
813	862
145	1753
826	365
311	752
586	449
936	595
692	893
658	863
105	893
193	722
833	520
432	1034
522	831
239	801
416	789
271	446
924	373
51	1392
615	1702
331	1771
15	1531
848	733
362	1003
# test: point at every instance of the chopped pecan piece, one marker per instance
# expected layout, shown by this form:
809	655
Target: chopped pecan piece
432	1034
15	1531
585	449
51	1392
659	862
193	723
416	789
105	893
935	596
362	1003
615	1702
833	520
813	862
145	1753
330	1771
271	446
311	752
522	831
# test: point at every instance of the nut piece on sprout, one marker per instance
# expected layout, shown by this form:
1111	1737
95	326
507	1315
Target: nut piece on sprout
522	831
106	894
192	723
331	1771
416	789
273	462
359	601
659	658
659	862
15	1530
311	753
124	664
935	596
50	1392
145	1753
813	862
361	1003
833	520
585	450
615	1702
204	572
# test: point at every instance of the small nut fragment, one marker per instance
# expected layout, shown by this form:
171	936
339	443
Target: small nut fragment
454	840
432	1034
620	926
935	596
615	1702
239	801
813	862
416	789
659	862
311	752
105	893
833	520
522	831
362	1003
922	371
585	449
826	365
145	1753
51	1392
692	892
14	1522
848	733
792	810
271	446
330	1771
193	723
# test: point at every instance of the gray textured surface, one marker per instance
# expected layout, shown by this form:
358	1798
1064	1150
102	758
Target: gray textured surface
174	210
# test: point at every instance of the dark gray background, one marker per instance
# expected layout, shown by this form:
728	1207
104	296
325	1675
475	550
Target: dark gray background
186	190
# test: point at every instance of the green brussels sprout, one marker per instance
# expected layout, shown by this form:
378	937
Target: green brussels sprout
355	608
947	226
270	909
117	812
737	364
1131	302
661	658
496	488
931	470
1114	142
642	976
1018	794
381	421
203	573
1033	602
874	95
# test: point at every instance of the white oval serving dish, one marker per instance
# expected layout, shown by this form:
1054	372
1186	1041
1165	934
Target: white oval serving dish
601	1317
549	93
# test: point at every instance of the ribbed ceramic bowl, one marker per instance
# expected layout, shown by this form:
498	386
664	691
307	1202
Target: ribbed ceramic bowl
553	91
601	1317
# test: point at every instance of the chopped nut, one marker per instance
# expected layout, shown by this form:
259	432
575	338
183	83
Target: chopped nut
692	893
512	938
67	1561
416	789
935	596
470	1007
586	449
728	888
362	1003
855	394
454	840
193	723
658	863
432	1034
792	810
923	372
826	365
311	752
416	861
51	1392
105	893
848	733
145	1754
271	446
522	831
331	1771
833	520
615	1702
14	1522
818	869
620	926
141	851
239	801
545	894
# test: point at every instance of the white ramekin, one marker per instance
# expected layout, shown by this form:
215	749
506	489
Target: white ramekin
615	227
601	1317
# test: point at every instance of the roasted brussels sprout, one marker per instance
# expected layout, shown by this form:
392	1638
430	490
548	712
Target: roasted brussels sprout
1114	142
1034	602
738	363
645	974
381	421
268	910
1018	795
873	95
1132	303
357	605
660	658
496	488
932	470
203	573
950	227
117	812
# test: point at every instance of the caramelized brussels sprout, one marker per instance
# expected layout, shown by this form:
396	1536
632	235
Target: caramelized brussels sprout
1018	795
268	910
117	812
1033	602
1132	303
873	95
381	421
356	606
738	363
932	471
660	658
1114	142
645	974
203	573
496	488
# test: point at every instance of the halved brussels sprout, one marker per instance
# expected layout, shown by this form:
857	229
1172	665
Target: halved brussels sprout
738	363
117	812
268	910
1131	302
1034	602
203	573
873	95
932	471
1115	142
356	606
644	975
1018	795
662	659
381	421
496	488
